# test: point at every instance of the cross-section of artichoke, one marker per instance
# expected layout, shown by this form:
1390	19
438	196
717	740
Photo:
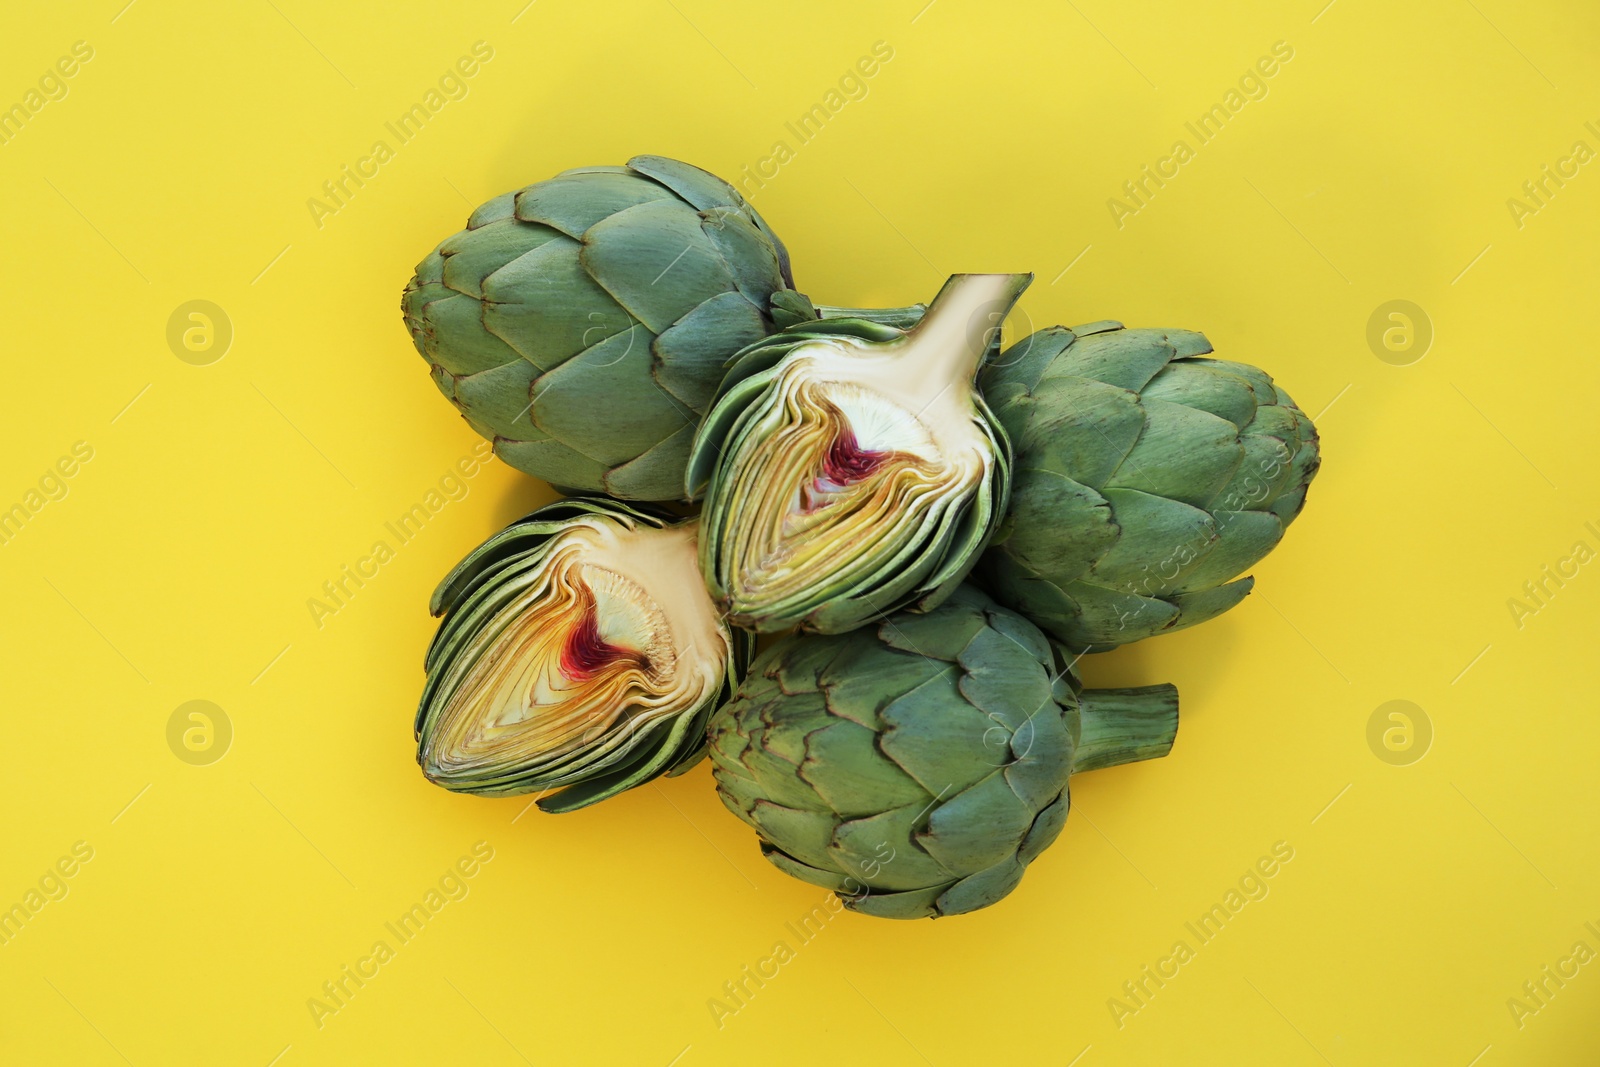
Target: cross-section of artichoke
581	323
1148	477
918	767
579	651
850	468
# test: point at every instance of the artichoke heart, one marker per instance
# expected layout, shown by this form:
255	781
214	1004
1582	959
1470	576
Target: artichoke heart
850	468
579	649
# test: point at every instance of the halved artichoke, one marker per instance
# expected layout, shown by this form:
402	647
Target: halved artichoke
850	468
579	651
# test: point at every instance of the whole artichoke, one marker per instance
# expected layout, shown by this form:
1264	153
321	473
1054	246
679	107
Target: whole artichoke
579	651
1147	477
850	468
918	767
581	323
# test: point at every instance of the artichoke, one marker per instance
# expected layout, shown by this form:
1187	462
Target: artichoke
579	650
1147	477
918	767
850	468
581	323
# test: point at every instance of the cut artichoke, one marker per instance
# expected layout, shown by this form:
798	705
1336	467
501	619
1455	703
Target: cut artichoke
917	768
850	468
1149	476
579	651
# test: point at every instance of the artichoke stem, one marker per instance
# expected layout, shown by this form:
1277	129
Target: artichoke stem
1125	726
900	318
956	331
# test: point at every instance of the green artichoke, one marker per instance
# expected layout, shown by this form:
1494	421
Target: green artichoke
850	468
918	767
578	651
581	323
1147	477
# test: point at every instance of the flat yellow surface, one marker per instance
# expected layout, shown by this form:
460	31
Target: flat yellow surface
209	500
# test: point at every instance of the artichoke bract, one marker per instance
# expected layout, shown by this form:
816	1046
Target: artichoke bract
1148	477
582	323
918	767
578	651
850	468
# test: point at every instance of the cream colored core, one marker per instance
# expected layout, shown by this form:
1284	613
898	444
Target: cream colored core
613	634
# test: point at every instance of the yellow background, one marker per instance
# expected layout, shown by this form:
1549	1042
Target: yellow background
178	567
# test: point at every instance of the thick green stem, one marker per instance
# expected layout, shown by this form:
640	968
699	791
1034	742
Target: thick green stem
900	318
1125	726
958	330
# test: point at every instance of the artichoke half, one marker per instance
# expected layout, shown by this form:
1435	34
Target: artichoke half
850	468
582	323
578	651
918	767
1147	477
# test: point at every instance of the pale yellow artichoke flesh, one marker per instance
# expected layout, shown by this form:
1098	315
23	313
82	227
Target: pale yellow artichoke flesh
613	635
854	453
